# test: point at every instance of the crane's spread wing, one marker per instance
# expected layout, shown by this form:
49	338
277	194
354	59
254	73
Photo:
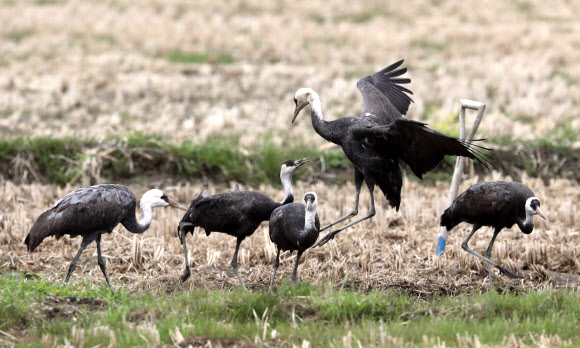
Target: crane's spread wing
385	100
420	147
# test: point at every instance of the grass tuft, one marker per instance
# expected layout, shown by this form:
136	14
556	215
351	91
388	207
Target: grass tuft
18	36
183	57
320	315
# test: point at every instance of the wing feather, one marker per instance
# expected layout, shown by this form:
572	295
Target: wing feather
385	100
420	147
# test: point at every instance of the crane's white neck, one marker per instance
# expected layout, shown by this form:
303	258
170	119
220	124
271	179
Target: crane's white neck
316	106
309	220
528	223
146	217
286	179
134	226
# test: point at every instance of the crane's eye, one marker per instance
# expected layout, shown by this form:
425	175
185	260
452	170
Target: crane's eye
164	197
295	101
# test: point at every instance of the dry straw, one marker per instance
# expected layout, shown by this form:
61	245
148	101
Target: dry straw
394	250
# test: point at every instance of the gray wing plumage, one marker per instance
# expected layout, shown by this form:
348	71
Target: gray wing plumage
83	211
233	212
496	203
420	147
385	100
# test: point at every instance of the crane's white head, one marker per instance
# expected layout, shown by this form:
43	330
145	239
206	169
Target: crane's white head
303	97
289	167
533	207
311	201
156	198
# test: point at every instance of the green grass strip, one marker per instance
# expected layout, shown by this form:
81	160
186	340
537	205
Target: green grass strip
68	160
73	160
322	315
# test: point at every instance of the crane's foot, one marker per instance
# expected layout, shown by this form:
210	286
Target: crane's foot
185	275
326	239
510	274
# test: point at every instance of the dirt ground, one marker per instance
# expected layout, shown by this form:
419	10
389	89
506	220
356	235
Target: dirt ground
393	251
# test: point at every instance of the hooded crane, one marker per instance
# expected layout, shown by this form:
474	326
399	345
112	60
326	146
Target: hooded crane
380	138
497	204
237	213
294	226
91	211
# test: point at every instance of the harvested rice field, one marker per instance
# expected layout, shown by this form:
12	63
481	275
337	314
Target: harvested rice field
185	96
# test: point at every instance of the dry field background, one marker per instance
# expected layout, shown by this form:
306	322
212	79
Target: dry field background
94	68
392	251
194	70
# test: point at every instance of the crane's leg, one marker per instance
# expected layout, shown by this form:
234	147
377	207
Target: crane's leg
235	261
466	248
101	262
329	236
84	243
296	268
182	236
358	180
488	254
276	264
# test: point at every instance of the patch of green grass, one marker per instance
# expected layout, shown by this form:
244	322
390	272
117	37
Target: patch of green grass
48	2
523	7
317	18
119	157
425	43
448	126
178	56
18	36
365	15
105	38
67	160
565	75
430	109
319	314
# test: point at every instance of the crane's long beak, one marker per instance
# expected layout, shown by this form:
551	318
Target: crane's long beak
176	205
300	162
299	107
540	213
309	205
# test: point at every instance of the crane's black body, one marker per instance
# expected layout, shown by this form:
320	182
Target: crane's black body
287	228
497	204
236	213
381	139
289	232
87	212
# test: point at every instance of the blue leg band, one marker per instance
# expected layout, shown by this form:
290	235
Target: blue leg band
440	246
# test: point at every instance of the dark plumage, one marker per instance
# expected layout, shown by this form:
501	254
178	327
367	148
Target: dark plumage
294	226
92	211
236	213
380	139
497	204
